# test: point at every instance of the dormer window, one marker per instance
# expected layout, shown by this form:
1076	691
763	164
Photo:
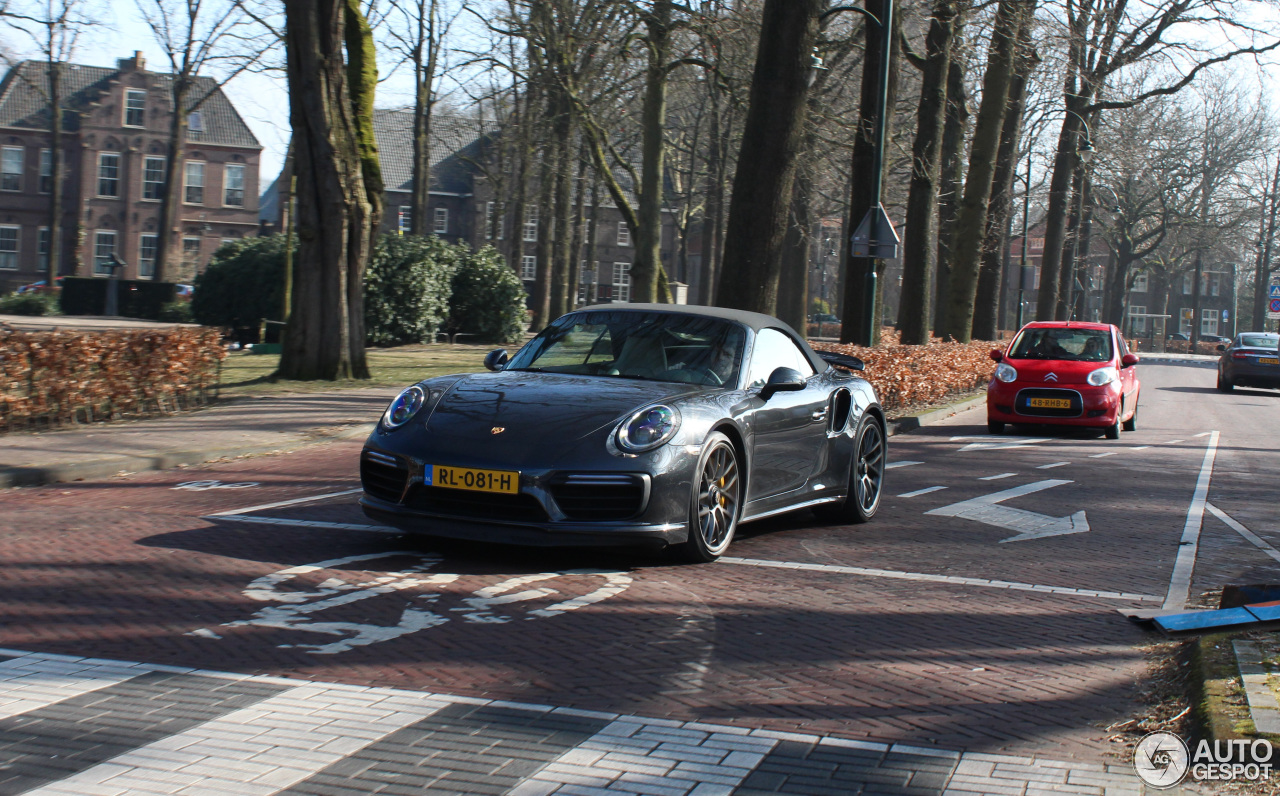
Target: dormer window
135	107
195	122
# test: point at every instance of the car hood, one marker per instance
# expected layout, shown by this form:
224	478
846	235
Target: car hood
536	412
1036	371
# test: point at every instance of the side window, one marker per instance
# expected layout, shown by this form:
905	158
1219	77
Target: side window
774	350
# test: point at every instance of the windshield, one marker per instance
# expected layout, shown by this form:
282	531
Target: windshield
1077	345
662	346
1259	340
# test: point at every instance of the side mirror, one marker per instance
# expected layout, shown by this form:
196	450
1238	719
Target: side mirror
1222	347
782	380
1129	360
496	359
996	355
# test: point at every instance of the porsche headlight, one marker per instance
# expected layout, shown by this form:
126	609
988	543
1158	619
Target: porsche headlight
404	407
648	428
1006	373
1102	376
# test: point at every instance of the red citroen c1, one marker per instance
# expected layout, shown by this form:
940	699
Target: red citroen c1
1065	373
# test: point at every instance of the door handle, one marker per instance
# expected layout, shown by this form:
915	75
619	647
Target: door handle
819	415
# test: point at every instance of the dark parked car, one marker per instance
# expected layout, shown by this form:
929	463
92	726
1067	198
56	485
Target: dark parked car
1252	360
636	424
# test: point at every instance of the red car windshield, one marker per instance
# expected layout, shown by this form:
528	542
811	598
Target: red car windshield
1075	345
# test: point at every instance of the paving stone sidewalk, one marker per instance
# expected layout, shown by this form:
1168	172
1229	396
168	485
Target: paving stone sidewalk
92	727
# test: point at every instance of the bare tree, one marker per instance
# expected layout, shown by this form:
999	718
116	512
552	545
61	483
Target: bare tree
54	27
197	37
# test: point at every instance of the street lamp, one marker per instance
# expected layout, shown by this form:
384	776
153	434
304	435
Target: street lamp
885	27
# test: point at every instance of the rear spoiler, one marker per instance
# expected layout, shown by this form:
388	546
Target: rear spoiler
841	360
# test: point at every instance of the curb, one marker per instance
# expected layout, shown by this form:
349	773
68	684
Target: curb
106	467
103	468
905	425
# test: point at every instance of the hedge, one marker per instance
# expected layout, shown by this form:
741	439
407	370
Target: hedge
912	375
50	378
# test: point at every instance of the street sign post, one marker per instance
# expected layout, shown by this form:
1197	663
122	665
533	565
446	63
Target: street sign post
1273	307
875	236
1273	291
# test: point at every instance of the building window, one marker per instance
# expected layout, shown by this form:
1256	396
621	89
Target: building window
135	106
489	209
104	246
529	267
233	190
585	277
195	183
147	245
1188	284
404	221
624	234
1215	284
622	281
1209	321
191	252
441	225
153	179
9	248
1139	283
195	122
46	171
1137	325
531	225
42	249
11	168
108	174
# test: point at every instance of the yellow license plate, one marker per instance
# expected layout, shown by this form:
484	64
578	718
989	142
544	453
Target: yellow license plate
1269	361
500	481
1049	403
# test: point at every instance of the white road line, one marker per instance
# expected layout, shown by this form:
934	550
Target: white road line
1180	582
892	465
924	491
997	477
1204	433
328	526
1173	442
949	579
1141	448
313	727
1100	455
1234	525
293	502
1051	466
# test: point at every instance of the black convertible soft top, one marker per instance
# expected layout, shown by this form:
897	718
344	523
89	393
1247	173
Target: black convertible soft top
754	320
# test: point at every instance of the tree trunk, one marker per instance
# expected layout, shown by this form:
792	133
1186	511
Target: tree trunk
1070	247
971	222
1262	268
424	79
920	243
541	303
712	215
561	254
999	206
579	220
333	214
772	134
57	166
951	178
793	286
589	254
1051	302
653	122
169	232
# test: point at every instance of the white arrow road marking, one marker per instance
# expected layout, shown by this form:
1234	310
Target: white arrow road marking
1256	540
1051	466
1028	524
999	443
892	465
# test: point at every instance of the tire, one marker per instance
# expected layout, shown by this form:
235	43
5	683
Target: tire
715	501
1113	431
866	476
995	427
1132	423
1224	385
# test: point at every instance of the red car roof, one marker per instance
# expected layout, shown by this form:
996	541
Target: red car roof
1067	325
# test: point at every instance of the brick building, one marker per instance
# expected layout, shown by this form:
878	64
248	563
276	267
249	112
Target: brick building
115	144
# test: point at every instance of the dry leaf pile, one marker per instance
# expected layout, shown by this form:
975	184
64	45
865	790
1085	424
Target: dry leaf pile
911	375
50	378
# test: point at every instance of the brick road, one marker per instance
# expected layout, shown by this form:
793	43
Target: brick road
919	630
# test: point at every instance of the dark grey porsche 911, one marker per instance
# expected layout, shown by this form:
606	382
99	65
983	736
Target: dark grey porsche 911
631	424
